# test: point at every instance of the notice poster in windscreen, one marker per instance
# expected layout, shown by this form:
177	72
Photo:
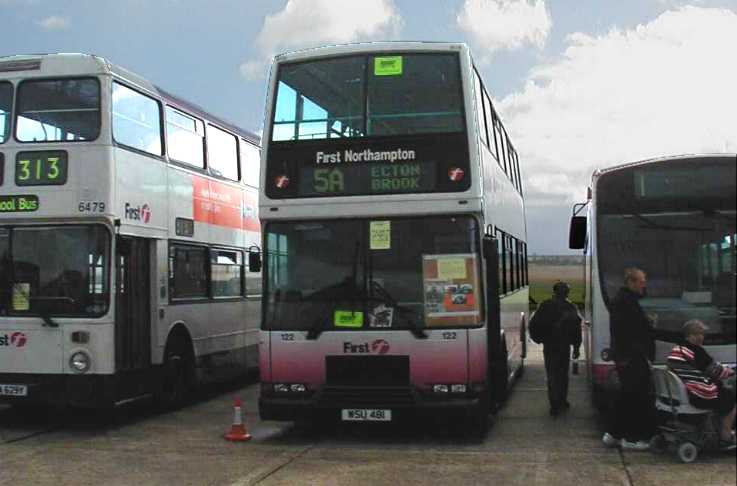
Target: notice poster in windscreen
451	288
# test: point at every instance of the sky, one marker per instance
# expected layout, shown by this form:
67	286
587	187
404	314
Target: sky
579	84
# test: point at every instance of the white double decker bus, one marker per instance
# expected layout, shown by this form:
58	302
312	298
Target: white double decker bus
126	219
674	218
395	275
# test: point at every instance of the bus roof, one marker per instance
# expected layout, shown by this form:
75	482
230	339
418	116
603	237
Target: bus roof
76	63
599	172
364	47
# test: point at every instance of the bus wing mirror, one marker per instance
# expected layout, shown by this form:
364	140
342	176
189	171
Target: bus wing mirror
254	260
577	233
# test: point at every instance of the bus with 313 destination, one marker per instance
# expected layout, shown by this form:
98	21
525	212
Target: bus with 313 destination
395	253
674	218
127	221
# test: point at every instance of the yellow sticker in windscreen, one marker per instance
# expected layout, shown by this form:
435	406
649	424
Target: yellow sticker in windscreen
388	66
348	319
451	268
21	301
381	235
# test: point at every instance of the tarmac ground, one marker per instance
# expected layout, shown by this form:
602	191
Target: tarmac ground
524	446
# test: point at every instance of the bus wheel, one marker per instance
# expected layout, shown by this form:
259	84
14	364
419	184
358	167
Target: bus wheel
177	376
477	423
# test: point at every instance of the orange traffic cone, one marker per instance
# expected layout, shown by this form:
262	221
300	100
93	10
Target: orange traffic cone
238	432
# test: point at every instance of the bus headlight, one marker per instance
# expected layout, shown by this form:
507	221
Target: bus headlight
440	388
458	388
80	362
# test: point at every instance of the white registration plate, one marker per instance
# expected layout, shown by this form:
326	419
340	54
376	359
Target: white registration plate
14	390
366	415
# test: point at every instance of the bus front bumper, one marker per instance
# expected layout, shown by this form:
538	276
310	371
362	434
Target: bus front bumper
75	390
328	404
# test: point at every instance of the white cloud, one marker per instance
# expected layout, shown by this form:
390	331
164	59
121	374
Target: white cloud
309	23
53	23
666	87
505	24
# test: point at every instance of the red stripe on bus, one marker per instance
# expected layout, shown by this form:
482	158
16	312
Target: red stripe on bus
250	213
222	205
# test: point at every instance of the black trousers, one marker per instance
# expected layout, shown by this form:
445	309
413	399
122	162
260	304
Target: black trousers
634	409
557	362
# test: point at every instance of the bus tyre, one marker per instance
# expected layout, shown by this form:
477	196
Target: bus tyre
177	376
478	421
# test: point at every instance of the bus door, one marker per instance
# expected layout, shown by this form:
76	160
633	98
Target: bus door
496	361
133	304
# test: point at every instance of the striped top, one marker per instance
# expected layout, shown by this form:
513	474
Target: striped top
698	371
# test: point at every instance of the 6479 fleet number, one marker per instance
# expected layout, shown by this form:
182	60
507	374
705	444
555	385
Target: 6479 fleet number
91	207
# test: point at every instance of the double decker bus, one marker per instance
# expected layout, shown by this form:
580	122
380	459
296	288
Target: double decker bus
674	218
126	219
395	271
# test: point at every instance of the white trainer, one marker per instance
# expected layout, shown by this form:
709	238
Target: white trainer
640	445
610	441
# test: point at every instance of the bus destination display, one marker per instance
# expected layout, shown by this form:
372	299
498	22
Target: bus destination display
367	167
362	179
48	168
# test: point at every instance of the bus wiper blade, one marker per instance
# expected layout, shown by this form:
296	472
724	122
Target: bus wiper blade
418	332
43	311
48	321
316	329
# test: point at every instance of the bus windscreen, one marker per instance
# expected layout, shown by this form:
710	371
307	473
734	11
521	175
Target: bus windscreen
369	124
401	273
54	271
683	239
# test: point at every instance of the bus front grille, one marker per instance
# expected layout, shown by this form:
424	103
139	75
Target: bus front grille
367	371
364	397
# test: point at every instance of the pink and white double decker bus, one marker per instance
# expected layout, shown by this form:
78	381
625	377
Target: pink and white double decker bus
395	275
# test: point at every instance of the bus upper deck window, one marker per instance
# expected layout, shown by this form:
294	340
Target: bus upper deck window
61	110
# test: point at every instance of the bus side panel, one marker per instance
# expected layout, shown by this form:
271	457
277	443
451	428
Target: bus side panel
141	202
513	307
160	323
477	356
264	356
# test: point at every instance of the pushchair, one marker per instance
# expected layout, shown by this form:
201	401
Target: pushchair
685	429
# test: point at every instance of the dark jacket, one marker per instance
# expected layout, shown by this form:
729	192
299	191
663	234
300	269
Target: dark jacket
556	324
632	333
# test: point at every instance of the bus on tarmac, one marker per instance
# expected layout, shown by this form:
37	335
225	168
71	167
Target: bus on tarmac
395	255
674	218
126	220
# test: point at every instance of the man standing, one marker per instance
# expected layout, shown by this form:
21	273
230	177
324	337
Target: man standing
633	343
557	325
